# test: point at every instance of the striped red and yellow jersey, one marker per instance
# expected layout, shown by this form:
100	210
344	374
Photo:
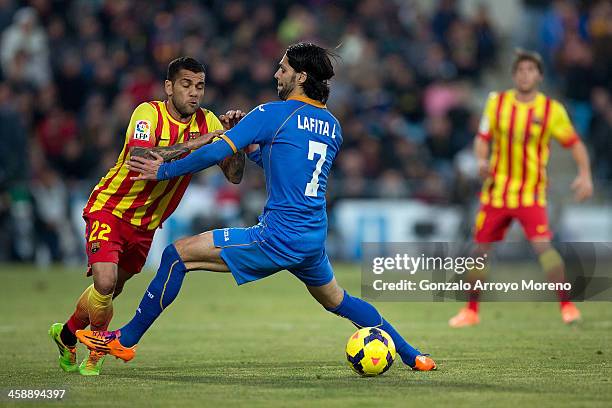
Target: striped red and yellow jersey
146	204
520	135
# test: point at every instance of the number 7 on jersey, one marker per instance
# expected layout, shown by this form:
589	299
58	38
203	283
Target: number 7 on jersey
321	149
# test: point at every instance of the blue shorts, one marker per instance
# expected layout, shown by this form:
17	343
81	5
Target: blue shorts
250	257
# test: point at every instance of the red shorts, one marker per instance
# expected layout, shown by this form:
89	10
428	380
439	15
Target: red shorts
492	223
110	239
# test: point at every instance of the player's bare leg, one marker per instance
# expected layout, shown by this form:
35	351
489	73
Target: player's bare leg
362	314
468	315
198	252
122	277
553	266
329	295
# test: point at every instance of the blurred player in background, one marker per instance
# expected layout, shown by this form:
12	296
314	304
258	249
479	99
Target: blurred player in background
296	141
122	214
512	149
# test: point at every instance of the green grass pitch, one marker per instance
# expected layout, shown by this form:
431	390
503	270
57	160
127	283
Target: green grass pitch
269	344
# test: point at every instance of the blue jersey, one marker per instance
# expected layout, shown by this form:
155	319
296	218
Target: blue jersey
298	139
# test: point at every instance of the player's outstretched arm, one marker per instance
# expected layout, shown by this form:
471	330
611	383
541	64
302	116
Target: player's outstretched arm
583	183
169	153
481	151
200	159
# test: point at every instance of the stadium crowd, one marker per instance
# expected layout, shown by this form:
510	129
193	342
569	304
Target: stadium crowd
408	91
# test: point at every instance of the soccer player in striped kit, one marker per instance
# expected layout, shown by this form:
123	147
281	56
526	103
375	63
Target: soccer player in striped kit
122	214
512	149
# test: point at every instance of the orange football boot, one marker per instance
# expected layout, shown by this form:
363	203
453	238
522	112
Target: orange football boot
424	363
465	318
106	342
570	313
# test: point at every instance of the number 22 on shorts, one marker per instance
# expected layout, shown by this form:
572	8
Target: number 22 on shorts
99	231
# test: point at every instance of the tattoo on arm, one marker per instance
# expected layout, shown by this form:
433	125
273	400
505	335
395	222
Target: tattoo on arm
169	153
233	167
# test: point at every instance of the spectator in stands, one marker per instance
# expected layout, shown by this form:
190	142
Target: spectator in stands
51	211
24	47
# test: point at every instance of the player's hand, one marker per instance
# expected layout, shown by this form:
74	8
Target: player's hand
251	148
483	168
582	187
201	140
146	167
230	118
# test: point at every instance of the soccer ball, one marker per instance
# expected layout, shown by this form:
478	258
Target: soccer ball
370	351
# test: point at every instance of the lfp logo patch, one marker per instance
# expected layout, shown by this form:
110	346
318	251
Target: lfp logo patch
142	130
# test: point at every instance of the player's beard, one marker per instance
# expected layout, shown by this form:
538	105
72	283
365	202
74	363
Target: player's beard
184	109
286	89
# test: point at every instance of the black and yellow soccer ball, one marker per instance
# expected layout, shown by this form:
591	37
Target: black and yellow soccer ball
370	351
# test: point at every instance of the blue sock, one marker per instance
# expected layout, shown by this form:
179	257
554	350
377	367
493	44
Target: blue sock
162	291
363	314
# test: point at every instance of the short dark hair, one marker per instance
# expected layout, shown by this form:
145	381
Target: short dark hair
521	55
316	63
188	63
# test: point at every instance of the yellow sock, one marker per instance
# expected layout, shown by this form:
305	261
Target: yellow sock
100	309
554	268
82	311
80	317
473	274
550	260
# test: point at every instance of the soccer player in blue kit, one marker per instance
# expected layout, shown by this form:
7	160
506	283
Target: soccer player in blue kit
296	141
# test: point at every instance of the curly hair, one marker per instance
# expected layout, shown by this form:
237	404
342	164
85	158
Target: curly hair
315	61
